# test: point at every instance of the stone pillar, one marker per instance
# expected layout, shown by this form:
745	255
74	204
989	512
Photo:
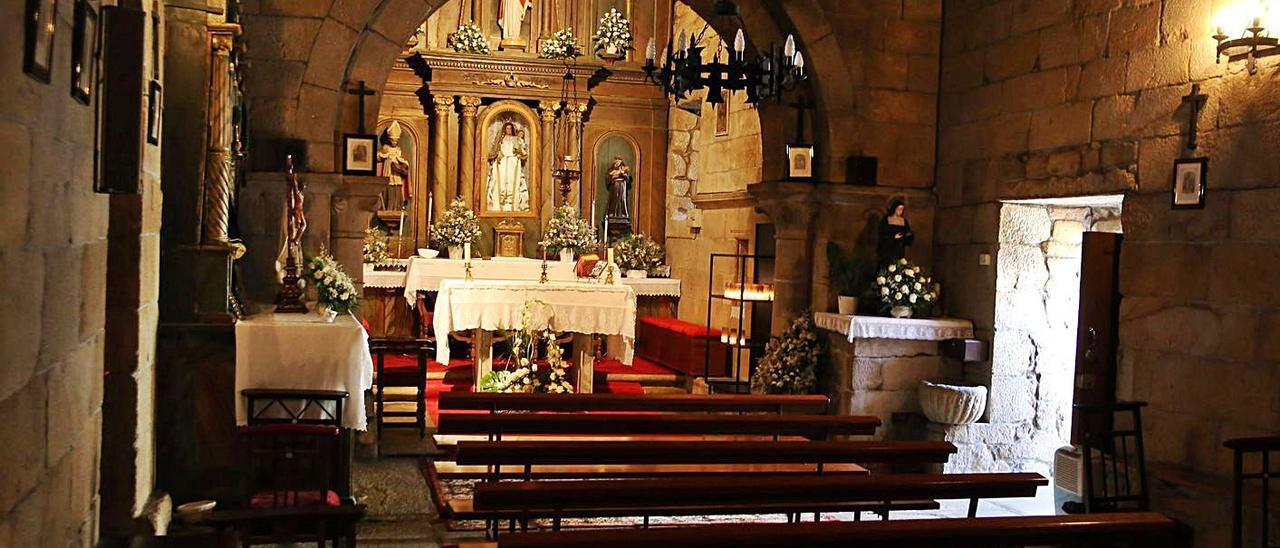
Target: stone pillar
550	188
792	208
440	155
576	112
467	147
352	206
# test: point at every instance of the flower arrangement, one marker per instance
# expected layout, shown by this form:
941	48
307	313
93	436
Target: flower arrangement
375	246
903	284
561	45
334	288
638	252
790	360
567	230
613	37
526	377
457	226
469	39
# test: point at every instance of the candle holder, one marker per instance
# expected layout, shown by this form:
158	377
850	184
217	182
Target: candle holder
1251	44
543	279
467	266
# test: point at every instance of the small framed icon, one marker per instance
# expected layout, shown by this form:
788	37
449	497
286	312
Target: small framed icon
800	161
359	153
1190	175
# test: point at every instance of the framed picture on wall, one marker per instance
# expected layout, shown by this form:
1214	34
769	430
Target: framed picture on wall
155	107
1189	178
37	53
359	154
84	43
800	161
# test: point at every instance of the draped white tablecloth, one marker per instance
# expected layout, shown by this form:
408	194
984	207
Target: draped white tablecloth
303	352
574	307
876	327
654	287
427	274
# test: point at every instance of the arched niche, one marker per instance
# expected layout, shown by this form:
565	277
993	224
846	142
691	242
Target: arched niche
490	188
610	145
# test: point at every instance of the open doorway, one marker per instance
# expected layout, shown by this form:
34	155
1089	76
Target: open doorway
1038	295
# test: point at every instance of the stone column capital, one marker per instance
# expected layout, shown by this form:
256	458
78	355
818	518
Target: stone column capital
548	109
443	104
793	207
576	111
470	105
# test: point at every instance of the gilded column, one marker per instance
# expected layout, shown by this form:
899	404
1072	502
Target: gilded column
550	194
575	113
219	181
467	146
440	155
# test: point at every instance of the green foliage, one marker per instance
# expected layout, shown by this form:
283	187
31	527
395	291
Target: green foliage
848	273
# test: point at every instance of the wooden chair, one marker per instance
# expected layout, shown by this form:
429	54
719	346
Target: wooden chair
1094	530
1117	480
657	403
290	495
1244	449
401	363
814	427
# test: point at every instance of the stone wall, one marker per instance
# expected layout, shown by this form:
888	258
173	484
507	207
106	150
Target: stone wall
1063	98
54	249
880	378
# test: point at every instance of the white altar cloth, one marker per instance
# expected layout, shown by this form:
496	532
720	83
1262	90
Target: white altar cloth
576	307
654	287
427	274
303	352
876	327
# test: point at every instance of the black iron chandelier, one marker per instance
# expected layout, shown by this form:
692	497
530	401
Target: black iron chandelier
683	72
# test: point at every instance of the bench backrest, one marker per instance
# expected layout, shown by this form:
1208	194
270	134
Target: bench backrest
1136	529
809	426
667	403
700	452
759	489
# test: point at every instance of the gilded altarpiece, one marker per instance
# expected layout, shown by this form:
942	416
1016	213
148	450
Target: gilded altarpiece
486	122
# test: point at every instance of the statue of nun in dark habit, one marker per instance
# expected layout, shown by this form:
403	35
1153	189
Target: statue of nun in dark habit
895	234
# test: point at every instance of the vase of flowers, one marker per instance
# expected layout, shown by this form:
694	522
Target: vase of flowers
469	39
638	252
790	360
847	276
561	45
567	233
335	291
527	375
905	290
458	226
613	36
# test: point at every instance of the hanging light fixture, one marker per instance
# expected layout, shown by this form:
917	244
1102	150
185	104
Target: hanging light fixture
682	71
567	139
1242	33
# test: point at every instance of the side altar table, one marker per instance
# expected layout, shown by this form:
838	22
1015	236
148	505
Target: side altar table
303	352
583	309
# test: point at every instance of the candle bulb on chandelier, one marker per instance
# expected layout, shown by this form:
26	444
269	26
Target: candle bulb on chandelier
789	49
740	43
684	41
799	63
650	50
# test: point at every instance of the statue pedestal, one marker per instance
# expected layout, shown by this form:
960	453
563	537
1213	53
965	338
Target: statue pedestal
508	44
615	228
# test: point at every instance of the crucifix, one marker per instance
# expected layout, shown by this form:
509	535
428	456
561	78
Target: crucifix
1196	101
801	105
361	91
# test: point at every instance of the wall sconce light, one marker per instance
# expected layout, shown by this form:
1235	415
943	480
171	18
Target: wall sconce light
1249	39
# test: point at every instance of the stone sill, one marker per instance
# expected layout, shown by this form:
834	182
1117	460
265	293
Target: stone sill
876	327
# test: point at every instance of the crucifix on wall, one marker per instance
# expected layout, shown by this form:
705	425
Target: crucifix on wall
1196	101
359	150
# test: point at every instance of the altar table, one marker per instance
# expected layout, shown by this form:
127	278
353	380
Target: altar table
303	352
580	308
427	274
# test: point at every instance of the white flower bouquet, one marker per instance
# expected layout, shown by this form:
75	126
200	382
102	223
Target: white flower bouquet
638	252
334	288
905	284
457	226
376	249
561	45
567	230
469	39
790	361
526	377
613	36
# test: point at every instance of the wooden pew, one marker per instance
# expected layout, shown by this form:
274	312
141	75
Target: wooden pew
1146	529
533	453
721	495
815	427
658	403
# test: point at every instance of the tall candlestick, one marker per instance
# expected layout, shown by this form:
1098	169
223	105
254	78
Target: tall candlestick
466	252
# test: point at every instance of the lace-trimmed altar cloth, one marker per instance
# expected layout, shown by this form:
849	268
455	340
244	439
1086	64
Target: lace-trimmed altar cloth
575	307
876	327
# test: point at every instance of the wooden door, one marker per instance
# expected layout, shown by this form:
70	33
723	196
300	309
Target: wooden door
1098	327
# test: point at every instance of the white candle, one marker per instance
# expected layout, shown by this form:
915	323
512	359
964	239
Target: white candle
611	255
651	50
466	252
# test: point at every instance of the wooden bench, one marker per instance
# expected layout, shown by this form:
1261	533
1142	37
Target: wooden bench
657	403
814	427
1146	529
531	453
729	495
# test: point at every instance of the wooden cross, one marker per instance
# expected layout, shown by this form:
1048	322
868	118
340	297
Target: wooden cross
801	105
361	91
1196	100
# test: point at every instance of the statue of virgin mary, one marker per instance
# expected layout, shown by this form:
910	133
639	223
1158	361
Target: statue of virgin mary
507	185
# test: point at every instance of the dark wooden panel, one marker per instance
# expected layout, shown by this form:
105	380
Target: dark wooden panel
816	404
699	452
810	426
